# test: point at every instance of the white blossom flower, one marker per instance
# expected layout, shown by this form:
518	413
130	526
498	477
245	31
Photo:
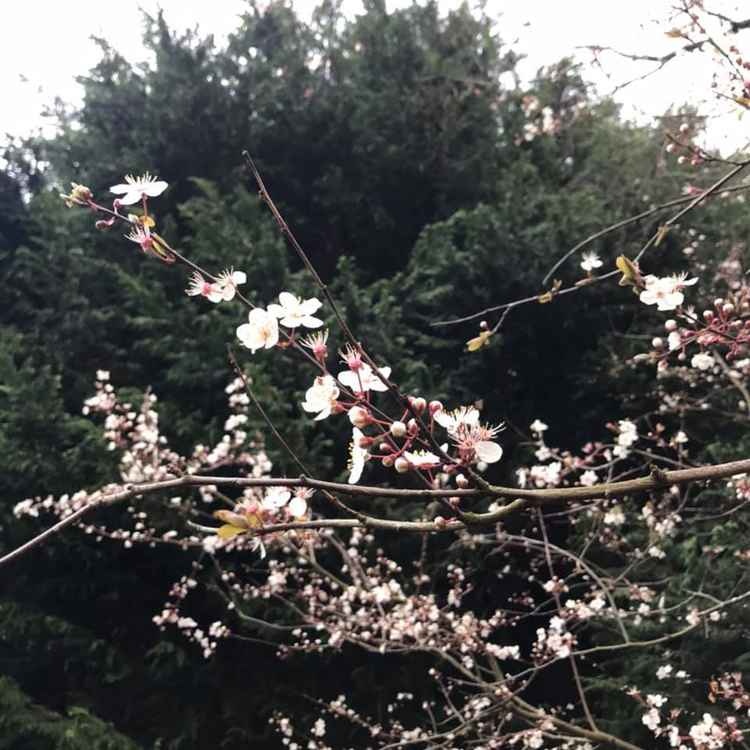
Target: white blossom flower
665	293
136	188
261	330
199	286
293	312
321	396
588	478
228	281
590	262
702	361
365	379
276	498
538	426
453	421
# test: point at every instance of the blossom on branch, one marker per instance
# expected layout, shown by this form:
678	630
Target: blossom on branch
321	397
365	379
135	189
590	262
665	293
223	289
260	332
293	312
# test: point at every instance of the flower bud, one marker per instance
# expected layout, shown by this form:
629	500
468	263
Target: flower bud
402	465
388	461
461	481
435	407
684	127
670	325
728	308
657	343
708	315
440	522
398	429
362	441
418	404
359	416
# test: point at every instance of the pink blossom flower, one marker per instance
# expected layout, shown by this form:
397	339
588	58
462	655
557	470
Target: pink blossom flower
199	286
136	188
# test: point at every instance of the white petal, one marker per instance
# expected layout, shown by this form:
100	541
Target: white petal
119	189
152	189
257	316
310	322
288	300
488	451
239	277
276	310
297	507
310	306
130	198
350	380
291	320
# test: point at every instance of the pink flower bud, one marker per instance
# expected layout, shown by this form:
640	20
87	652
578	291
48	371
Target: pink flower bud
402	465
670	325
461	481
440	522
398	429
412	427
359	416
728	308
657	343
362	441
435	407
418	404
388	461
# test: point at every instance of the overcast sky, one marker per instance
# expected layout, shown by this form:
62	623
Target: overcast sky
47	43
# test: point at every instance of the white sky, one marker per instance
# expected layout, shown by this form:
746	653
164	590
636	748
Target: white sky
47	43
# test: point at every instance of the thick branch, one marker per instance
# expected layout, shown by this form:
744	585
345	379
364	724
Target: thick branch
523	499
